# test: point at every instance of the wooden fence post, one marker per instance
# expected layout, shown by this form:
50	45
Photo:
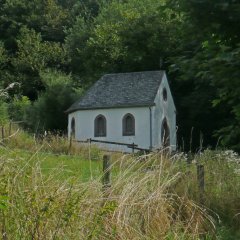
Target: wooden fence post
106	174
201	183
70	143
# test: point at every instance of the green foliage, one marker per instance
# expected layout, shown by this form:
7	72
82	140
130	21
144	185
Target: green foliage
4	59
125	36
207	71
214	18
3	202
47	113
47	17
198	42
87	9
32	57
225	66
3	55
4	97
226	233
32	33
35	54
3	113
17	108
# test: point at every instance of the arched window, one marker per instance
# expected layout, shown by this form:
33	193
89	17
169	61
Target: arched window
164	94
73	128
128	124
100	126
165	134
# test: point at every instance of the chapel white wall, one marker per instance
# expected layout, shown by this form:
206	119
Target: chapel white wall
161	110
84	126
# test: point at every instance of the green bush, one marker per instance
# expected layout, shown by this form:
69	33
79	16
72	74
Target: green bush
17	108
48	111
3	113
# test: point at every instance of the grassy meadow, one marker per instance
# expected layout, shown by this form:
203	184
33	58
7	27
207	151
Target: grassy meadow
48	191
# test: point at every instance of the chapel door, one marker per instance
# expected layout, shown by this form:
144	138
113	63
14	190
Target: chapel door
165	134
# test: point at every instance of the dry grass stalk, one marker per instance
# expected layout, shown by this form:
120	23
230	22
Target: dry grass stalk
140	203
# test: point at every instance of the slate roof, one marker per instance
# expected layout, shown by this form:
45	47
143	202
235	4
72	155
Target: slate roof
135	89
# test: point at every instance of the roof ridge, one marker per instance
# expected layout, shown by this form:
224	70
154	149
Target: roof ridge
125	73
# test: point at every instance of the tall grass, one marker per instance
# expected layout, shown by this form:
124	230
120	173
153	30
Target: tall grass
151	196
140	204
54	143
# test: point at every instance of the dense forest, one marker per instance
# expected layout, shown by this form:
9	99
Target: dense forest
51	51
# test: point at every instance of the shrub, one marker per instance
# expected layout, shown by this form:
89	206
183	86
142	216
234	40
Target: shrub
17	108
47	112
3	113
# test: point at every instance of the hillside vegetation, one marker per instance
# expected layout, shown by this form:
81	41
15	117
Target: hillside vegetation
52	51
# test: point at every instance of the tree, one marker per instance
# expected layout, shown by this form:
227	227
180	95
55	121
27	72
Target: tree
47	112
18	107
210	64
34	55
4	117
47	17
125	36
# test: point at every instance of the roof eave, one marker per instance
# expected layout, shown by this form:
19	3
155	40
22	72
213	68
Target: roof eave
110	107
